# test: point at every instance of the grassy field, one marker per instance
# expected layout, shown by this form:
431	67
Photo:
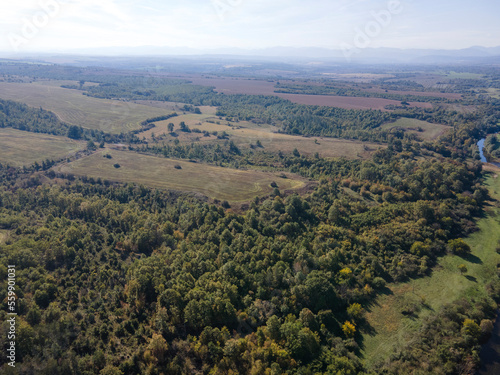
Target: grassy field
392	330
429	131
23	148
71	106
215	182
244	134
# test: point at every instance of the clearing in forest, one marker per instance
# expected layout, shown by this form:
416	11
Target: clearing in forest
423	129
220	183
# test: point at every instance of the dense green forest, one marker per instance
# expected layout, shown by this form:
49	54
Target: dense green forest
125	279
144	281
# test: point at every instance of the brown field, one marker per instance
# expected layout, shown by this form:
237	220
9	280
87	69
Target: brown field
71	106
267	87
21	148
237	85
233	185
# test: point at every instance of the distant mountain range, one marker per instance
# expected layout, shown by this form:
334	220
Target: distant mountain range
471	55
476	54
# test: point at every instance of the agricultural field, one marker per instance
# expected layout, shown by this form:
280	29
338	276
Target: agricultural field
392	330
71	106
20	148
246	134
267	87
215	182
428	131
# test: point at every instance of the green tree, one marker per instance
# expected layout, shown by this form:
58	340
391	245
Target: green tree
462	268
458	247
471	328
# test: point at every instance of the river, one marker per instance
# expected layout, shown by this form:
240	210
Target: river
480	144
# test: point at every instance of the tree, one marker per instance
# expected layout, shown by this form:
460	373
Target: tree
458	247
349	329
462	268
471	328
170	127
158	347
74	132
91	145
355	311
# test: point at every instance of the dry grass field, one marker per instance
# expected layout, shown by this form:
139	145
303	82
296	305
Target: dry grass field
71	106
215	182
429	131
244	134
19	148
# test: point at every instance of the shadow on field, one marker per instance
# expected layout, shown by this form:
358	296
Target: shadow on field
471	278
473	259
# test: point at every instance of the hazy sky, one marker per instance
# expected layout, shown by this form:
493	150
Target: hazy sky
43	25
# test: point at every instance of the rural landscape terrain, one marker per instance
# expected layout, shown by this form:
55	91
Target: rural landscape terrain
202	217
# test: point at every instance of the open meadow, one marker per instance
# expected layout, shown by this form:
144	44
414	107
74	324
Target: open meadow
72	107
215	182
423	129
20	148
391	330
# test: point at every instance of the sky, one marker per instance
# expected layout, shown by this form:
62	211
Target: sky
66	25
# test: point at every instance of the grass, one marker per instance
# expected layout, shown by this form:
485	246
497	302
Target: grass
494	93
3	235
21	148
71	106
392	330
244	134
429	131
215	182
